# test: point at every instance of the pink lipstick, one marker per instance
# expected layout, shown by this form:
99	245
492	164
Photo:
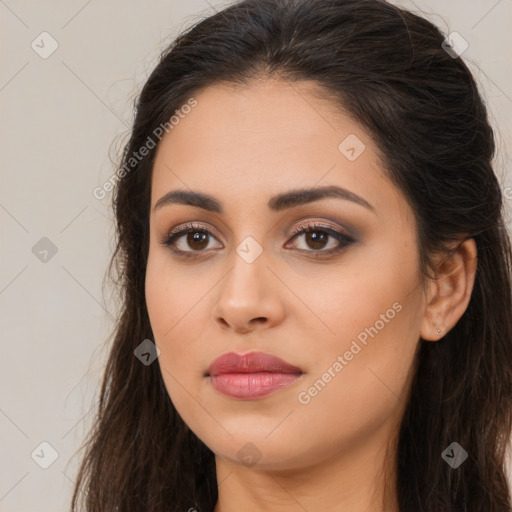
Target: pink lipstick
251	375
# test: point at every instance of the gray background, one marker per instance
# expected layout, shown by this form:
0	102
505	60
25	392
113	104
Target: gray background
63	118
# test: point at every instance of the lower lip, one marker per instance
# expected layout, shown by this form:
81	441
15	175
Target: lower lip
252	385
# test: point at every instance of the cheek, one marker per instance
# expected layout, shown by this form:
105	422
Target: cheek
171	295
174	302
159	300
364	298
363	371
373	328
176	308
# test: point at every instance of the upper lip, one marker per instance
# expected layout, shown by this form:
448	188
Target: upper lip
251	362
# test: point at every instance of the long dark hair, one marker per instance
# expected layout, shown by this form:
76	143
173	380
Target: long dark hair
388	68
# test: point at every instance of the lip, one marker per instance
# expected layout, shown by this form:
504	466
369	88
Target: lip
251	362
251	375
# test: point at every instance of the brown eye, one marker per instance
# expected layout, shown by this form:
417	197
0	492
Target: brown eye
316	239
188	239
196	239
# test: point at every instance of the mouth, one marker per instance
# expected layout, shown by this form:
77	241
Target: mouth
251	362
251	375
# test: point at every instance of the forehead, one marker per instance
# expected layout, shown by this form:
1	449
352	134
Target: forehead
242	142
267	118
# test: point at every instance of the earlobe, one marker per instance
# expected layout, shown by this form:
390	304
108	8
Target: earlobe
449	293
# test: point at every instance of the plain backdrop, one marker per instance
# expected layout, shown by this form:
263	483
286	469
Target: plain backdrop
63	116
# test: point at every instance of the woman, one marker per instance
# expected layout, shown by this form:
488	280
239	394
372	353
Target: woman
314	271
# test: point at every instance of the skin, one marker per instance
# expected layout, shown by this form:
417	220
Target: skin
243	145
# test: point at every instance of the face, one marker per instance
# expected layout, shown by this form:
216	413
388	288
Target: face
341	302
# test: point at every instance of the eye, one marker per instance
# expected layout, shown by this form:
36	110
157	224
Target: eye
195	237
317	236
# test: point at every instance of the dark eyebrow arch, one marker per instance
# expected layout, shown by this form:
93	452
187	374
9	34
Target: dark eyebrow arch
277	203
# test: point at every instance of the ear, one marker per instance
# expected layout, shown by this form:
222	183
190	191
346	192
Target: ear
448	294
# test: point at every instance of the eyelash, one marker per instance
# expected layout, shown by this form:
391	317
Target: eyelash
343	238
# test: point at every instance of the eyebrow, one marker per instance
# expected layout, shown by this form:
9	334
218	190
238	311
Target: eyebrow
276	203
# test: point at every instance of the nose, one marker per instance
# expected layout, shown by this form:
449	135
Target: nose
249	297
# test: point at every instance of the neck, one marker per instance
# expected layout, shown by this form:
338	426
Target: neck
360	478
